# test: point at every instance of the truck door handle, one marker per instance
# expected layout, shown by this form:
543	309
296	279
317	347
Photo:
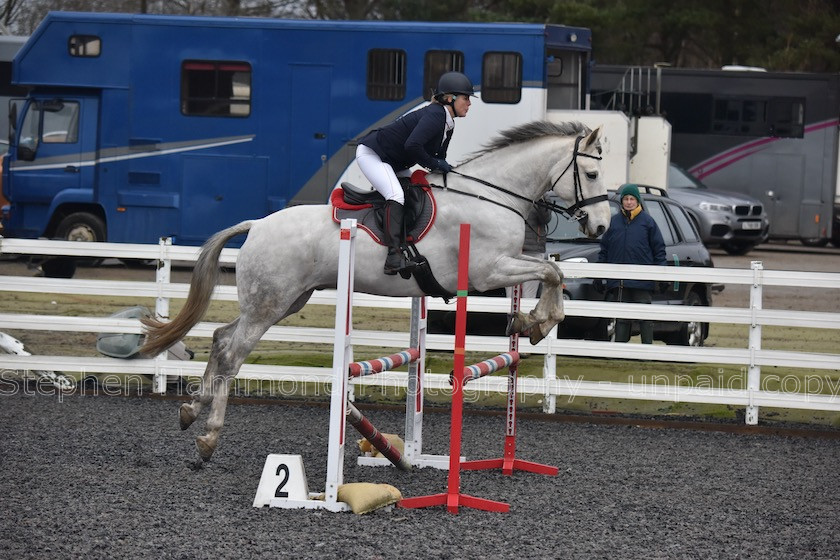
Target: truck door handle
320	136
71	169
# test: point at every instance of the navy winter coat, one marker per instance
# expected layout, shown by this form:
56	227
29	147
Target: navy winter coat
636	241
416	137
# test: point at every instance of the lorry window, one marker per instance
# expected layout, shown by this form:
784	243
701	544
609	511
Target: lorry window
84	45
438	63
386	75
62	126
501	77
30	132
787	118
215	88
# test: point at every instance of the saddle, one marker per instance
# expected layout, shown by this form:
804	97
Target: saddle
367	207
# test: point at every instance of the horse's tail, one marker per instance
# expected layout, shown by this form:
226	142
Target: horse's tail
162	335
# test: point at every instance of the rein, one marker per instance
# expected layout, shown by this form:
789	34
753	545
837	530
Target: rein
570	211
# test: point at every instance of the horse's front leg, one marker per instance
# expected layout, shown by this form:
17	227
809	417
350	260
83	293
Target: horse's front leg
548	312
510	271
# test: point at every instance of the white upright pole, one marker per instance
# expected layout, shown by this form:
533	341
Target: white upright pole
342	356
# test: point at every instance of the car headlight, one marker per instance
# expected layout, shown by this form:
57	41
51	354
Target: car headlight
707	206
576	259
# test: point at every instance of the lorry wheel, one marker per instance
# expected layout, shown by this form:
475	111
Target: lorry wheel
81	226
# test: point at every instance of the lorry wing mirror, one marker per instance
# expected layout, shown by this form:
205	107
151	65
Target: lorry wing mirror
25	153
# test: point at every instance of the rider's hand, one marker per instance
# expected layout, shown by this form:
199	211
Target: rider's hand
442	165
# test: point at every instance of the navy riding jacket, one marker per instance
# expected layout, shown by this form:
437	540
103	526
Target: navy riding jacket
416	137
636	241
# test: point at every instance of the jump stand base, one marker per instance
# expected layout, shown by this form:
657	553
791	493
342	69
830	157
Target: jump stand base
418	462
508	467
453	502
309	504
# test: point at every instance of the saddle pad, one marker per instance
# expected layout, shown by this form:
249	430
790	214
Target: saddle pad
420	213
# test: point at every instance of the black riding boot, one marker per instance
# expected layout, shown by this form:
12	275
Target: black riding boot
392	233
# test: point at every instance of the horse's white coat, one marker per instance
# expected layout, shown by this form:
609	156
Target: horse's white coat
293	252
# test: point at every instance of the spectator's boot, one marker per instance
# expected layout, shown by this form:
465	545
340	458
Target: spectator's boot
622	330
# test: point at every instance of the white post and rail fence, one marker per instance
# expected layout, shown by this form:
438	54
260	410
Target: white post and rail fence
747	353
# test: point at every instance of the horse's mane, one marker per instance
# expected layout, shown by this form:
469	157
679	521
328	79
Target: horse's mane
529	131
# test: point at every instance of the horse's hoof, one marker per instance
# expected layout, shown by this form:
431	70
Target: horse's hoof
204	447
186	416
516	323
510	325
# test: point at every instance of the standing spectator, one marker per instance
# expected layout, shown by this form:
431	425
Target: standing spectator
632	238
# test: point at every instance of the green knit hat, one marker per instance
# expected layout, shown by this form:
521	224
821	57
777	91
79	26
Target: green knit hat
632	190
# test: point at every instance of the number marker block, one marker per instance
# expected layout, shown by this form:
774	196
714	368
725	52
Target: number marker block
283	478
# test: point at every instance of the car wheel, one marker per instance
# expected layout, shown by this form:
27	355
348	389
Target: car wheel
735	248
81	226
815	242
690	333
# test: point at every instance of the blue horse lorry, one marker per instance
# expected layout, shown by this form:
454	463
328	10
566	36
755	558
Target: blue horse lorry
138	126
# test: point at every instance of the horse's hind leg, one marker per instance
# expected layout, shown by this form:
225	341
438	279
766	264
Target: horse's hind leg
188	412
231	345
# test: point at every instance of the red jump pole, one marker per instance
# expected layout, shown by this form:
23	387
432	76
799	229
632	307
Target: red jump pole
509	463
453	498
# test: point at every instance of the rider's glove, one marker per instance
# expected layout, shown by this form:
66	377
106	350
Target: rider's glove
442	165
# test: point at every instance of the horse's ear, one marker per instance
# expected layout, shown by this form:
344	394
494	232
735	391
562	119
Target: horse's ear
591	138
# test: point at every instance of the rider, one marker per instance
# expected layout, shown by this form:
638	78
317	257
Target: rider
419	137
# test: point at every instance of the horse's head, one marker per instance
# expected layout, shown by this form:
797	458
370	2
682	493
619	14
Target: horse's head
582	188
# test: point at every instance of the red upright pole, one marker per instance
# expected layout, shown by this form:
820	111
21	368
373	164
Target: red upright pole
453	498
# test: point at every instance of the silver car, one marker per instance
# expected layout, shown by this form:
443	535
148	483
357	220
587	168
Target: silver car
731	220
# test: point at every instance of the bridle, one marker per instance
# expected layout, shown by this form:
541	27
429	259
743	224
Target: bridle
574	212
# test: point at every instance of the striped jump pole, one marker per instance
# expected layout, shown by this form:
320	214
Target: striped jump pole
370	367
375	437
509	463
453	498
479	370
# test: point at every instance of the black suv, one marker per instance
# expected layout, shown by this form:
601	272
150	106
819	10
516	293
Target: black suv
567	243
683	248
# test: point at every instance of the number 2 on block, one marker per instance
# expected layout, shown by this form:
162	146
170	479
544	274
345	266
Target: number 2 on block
284	468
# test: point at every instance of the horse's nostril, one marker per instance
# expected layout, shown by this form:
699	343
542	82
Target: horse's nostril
601	230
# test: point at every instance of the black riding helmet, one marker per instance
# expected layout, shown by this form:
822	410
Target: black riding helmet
454	82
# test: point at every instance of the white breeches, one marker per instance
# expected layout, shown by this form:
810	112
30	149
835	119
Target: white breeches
380	174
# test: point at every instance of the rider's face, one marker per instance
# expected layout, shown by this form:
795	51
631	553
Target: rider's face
462	105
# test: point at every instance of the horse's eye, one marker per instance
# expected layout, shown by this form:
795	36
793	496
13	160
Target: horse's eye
591	175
